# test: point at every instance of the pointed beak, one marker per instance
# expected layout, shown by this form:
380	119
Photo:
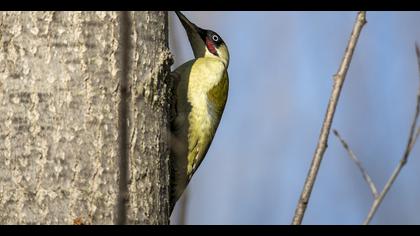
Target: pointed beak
196	35
189	26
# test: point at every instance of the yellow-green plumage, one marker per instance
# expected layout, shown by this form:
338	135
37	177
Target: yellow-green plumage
200	93
208	98
201	96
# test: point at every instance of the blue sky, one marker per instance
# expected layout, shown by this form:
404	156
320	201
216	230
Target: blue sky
281	70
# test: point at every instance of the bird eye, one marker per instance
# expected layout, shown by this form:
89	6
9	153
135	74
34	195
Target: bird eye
215	38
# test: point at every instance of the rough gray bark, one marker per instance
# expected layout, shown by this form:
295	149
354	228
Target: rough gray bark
148	125
65	78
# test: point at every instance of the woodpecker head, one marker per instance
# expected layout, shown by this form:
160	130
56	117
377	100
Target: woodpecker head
205	43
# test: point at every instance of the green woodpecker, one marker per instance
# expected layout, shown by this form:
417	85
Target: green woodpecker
200	94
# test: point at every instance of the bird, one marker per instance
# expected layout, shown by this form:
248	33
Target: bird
200	92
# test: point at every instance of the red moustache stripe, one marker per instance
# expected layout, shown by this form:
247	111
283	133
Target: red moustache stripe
210	46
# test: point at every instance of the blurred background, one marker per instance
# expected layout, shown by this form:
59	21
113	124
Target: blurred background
281	70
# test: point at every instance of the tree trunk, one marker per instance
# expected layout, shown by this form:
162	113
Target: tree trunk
83	118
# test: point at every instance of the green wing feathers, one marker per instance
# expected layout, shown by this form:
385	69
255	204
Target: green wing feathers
200	94
199	142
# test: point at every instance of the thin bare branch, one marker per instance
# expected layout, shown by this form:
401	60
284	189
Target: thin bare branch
410	144
364	172
326	126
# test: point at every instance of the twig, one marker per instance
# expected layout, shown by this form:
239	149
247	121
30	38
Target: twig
359	164
410	144
326	126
